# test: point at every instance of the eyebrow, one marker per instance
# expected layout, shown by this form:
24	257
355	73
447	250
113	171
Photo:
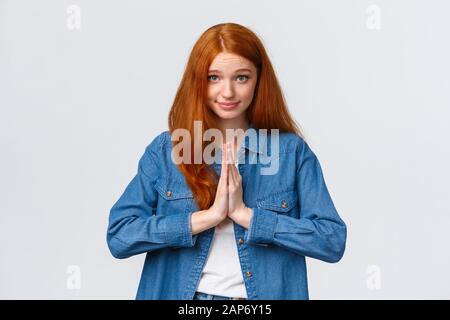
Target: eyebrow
242	69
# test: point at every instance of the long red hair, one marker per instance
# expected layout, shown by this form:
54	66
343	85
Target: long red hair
267	110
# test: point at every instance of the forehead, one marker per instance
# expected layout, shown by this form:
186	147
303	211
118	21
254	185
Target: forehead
229	61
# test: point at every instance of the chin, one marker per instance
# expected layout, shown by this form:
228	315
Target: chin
228	115
221	114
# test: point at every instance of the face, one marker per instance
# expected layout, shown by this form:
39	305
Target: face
231	84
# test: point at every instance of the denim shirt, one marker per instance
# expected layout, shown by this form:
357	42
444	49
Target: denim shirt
293	218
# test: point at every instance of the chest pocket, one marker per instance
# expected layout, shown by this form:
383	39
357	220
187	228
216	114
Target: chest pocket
175	197
281	201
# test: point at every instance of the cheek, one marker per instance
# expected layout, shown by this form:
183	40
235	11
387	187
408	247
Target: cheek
212	94
247	93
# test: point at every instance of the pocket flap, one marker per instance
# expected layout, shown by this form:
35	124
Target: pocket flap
282	201
171	190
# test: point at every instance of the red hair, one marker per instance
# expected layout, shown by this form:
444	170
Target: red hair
267	110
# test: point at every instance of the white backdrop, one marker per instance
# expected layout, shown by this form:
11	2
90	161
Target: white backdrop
86	85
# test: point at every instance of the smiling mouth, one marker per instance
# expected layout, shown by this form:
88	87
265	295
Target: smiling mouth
228	105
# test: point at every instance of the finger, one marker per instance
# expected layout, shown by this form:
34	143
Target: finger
232	174
231	153
235	162
236	176
220	184
224	175
224	158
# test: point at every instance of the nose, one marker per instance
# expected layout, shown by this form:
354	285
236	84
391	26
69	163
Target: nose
227	90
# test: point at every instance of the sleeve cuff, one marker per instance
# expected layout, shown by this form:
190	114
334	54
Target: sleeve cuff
262	227
177	230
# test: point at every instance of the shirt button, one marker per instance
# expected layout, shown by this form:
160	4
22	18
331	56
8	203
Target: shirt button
283	204
248	274
241	241
169	193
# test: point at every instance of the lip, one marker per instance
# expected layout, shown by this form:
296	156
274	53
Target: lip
228	106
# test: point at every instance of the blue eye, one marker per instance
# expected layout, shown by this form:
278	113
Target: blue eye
242	75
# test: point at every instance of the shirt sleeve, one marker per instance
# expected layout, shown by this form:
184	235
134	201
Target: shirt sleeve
319	232
133	226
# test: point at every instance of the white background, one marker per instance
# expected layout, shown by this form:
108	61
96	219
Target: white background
79	106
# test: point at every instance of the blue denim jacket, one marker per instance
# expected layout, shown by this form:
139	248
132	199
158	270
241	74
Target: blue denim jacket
293	218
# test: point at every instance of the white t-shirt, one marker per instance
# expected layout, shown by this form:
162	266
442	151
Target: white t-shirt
222	274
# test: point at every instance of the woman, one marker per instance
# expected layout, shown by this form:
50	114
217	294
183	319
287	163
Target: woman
240	230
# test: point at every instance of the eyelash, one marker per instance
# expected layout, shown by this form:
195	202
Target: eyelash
241	75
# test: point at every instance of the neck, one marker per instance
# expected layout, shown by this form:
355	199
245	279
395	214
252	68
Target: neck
240	123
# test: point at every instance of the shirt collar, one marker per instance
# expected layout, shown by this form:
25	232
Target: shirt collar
260	142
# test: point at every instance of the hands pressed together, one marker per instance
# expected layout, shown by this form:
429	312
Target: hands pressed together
229	196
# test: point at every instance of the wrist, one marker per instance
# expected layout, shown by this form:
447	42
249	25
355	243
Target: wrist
214	216
242	216
248	216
